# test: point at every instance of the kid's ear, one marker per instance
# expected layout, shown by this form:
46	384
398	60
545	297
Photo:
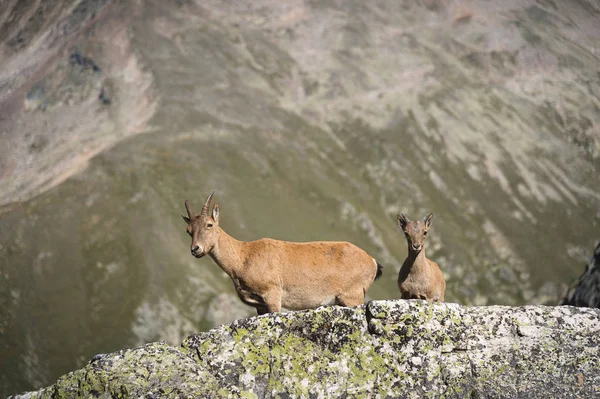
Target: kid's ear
215	213
187	220
427	220
402	220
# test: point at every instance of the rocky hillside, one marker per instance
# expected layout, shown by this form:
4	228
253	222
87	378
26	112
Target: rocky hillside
407	349
313	120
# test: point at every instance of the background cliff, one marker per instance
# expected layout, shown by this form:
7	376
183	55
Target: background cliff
312	120
585	291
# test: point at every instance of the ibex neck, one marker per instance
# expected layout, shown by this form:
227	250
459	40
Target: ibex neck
227	253
416	258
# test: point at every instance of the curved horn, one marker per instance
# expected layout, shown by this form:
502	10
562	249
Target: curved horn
188	209
206	206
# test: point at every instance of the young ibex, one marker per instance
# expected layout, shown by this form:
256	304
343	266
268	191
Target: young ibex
270	274
419	277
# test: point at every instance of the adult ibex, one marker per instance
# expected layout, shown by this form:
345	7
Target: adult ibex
419	277
271	274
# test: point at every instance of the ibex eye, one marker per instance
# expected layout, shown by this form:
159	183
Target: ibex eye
209	225
424	233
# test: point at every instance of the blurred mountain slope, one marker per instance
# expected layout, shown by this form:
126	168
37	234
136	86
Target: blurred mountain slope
313	120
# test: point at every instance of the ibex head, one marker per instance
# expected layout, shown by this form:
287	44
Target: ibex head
415	231
203	228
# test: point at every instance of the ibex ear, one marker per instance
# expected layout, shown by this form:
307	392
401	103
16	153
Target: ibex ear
427	220
187	220
215	213
402	220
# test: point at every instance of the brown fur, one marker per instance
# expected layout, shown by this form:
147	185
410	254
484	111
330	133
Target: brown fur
270	274
419	277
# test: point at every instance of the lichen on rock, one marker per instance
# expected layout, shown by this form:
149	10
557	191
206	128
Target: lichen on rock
384	349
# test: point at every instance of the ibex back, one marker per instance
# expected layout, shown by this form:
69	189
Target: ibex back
419	277
271	274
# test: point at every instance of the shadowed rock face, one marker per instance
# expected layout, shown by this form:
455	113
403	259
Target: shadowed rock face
316	120
386	349
586	292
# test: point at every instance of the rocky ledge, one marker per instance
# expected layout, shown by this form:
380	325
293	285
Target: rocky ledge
385	349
